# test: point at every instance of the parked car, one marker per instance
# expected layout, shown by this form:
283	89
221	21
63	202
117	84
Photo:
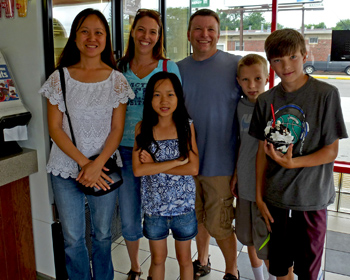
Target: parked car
328	66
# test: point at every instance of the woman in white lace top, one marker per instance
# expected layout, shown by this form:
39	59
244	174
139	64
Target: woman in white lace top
96	97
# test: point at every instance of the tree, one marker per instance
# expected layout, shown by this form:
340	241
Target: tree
343	24
267	25
232	21
254	20
320	25
176	41
229	21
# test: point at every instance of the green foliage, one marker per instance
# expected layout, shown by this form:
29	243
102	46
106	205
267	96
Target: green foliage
229	21
127	22
267	25
320	25
232	21
254	20
176	43
343	24
280	26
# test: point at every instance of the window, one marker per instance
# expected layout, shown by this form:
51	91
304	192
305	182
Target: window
177	45
221	47
313	40
237	46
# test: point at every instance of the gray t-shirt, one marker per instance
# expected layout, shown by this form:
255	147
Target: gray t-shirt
211	95
247	152
314	116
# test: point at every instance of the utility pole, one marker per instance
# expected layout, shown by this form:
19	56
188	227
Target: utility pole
273	28
241	31
302	21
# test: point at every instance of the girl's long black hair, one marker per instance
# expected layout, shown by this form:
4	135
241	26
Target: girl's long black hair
150	117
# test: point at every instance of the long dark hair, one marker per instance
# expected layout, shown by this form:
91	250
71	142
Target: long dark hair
71	54
158	49
150	117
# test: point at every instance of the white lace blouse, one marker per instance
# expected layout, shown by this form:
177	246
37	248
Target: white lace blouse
90	107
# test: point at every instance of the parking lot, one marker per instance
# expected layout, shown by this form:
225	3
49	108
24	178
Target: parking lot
342	82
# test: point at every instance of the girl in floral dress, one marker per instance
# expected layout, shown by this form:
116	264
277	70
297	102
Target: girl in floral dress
166	156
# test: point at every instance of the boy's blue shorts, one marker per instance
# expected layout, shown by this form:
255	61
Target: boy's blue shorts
183	227
297	238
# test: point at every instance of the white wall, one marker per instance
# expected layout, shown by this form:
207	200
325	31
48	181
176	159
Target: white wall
22	44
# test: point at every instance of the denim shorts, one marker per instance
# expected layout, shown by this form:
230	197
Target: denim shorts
183	227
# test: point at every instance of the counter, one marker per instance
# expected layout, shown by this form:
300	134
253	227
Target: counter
17	258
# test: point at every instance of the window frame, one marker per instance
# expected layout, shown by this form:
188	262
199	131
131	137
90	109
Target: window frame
313	43
237	46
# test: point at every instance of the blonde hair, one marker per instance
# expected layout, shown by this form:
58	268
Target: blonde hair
251	59
284	42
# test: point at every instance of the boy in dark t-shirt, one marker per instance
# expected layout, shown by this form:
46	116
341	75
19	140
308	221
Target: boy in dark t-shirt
294	189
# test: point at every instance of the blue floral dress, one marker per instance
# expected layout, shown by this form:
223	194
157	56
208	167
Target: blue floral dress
165	194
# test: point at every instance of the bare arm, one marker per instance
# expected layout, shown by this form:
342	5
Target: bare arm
261	165
325	155
151	168
192	167
147	167
233	184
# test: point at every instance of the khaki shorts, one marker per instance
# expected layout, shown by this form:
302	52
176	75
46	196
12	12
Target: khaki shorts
214	205
251	228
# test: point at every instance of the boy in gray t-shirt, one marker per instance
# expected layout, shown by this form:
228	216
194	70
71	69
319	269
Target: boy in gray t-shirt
294	189
252	76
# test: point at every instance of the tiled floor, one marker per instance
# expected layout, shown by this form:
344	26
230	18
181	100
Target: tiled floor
336	263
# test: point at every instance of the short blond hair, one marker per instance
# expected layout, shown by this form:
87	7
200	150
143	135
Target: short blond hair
251	59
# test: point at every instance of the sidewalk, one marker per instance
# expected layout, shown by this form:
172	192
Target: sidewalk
328	76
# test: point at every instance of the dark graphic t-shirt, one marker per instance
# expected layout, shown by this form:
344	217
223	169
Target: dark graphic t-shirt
314	114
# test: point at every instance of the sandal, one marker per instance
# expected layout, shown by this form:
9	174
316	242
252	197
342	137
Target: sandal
133	274
201	270
229	276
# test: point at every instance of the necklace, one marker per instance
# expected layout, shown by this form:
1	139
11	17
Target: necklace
143	70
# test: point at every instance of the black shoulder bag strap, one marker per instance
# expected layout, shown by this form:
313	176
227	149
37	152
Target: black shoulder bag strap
63	87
